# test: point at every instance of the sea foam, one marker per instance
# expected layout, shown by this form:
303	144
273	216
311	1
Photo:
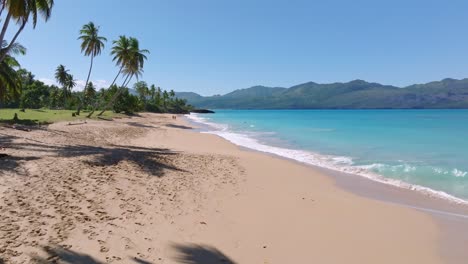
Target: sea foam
337	163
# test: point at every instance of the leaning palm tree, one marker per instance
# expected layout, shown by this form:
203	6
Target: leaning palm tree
21	11
133	67
61	75
10	78
91	45
121	52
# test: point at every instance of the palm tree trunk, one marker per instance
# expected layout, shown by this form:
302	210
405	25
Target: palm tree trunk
65	94
3	7
5	27
116	95
131	76
3	55
86	85
99	103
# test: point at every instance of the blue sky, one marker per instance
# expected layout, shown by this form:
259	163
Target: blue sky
216	46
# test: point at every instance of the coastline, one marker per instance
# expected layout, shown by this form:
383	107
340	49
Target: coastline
197	197
316	160
449	212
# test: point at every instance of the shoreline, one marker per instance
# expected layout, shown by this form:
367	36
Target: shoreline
153	189
206	127
451	216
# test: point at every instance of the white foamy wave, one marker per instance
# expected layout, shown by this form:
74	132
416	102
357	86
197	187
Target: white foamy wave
337	163
455	172
385	167
199	119
459	173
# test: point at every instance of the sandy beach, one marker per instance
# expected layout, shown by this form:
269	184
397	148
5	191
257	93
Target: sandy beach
150	189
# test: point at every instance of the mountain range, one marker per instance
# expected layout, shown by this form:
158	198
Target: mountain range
357	94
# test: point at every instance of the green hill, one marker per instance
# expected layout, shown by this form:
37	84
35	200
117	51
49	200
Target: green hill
357	94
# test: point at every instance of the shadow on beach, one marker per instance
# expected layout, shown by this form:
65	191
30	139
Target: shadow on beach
56	254
186	254
151	160
198	254
136	124
179	126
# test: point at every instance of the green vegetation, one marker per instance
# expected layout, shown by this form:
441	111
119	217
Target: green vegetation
20	89
21	11
41	116
358	94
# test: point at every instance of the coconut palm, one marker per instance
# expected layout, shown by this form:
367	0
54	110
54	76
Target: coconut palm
121	51
21	11
91	45
165	97
10	78
133	67
70	83
61	75
89	93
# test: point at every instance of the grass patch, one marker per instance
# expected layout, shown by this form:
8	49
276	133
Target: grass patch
45	116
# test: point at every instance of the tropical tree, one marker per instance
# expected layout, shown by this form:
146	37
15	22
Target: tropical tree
165	98
142	89
10	78
121	52
91	45
133	67
61	75
21	11
89	93
54	97
152	92
69	84
27	77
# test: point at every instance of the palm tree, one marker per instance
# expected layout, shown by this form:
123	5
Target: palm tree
69	84
61	75
20	11
10	78
152	91
121	52
89	93
91	45
133	67
165	98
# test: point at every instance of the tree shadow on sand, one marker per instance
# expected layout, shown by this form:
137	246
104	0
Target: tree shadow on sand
61	255
198	254
5	140
8	162
136	124
151	160
141	261
179	126
186	254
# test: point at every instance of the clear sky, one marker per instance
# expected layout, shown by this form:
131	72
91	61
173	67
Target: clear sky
216	46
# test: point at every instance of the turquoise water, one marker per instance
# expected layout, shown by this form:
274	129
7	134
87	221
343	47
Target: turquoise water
416	149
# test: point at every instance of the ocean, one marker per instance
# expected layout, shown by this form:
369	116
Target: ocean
422	150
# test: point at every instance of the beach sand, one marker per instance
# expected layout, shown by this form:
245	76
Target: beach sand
150	189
